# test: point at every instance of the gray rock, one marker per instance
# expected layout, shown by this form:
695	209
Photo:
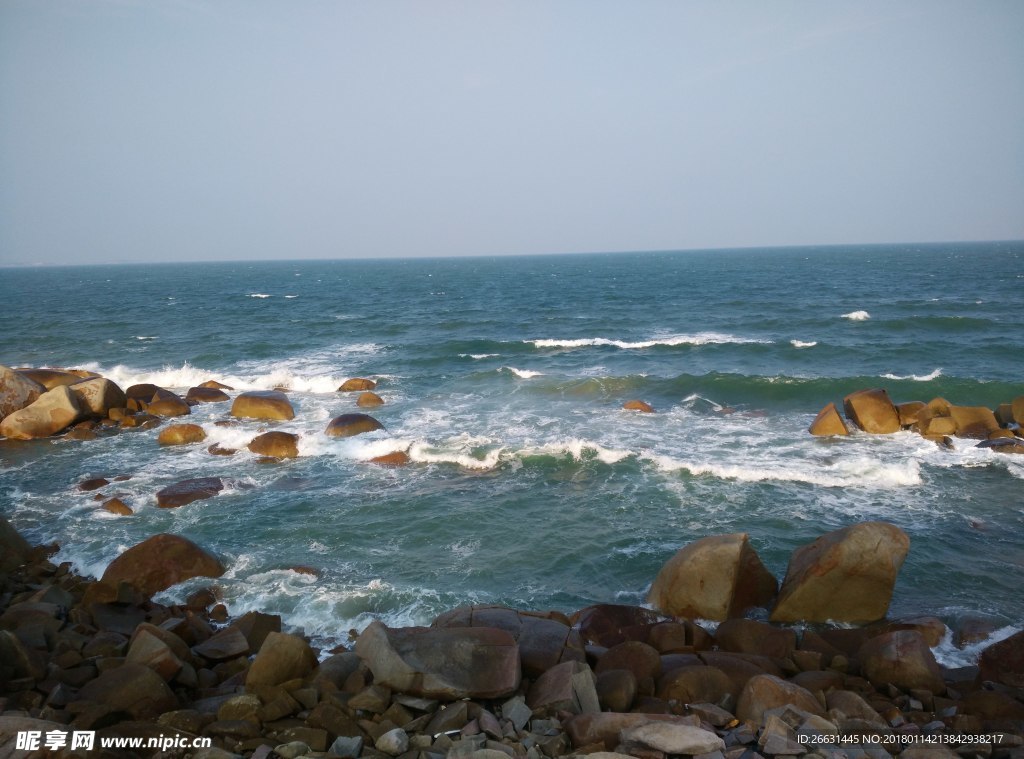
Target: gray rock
393	742
673	739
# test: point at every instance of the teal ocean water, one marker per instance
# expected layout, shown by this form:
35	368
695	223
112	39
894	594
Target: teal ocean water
504	379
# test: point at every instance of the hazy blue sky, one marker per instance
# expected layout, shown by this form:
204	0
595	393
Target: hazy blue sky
138	130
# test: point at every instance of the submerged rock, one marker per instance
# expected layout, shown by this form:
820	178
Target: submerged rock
356	384
829	422
281	445
263	404
637	405
181	434
187	491
348	425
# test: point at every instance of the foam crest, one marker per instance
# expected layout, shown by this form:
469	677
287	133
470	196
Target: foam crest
478	356
579	450
803	344
522	373
857	316
853	473
259	295
948	655
703	338
935	374
427	454
186	376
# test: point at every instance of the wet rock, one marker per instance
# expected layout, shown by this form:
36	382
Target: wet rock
282	657
181	434
187	491
638	405
610	624
394	459
98	395
263	404
908	412
716	577
872	411
14	549
449	663
356	384
47	415
901	658
282	445
217	450
369	400
973	421
17	391
829	422
206	395
348	425
844	576
159	562
142	392
168	404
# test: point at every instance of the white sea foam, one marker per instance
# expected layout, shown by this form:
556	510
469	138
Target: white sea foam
522	373
703	338
935	374
144	337
857	472
803	344
579	450
948	655
857	316
479	356
289	297
259	295
428	454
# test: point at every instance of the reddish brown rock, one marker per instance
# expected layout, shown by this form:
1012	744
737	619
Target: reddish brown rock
566	687
973	421
181	434
445	663
748	636
395	458
1003	662
829	422
49	414
610	624
369	400
903	659
638	405
281	658
766	692
716	577
98	395
159	562
1017	410
142	392
589	729
356	384
348	425
131	688
16	391
206	395
117	506
169	406
641	659
908	412
187	491
281	445
695	684
872	411
844	576
263	404
217	450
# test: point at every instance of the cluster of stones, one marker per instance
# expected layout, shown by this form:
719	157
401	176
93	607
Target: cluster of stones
937	420
488	682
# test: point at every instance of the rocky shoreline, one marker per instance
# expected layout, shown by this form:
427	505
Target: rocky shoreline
492	682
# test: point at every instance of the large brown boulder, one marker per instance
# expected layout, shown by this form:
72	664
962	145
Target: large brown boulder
828	422
1003	662
49	414
159	562
356	384
16	391
543	641
206	395
610	624
974	421
51	378
187	491
569	686
765	692
282	445
131	688
637	405
281	658
908	412
166	403
181	434
716	577
263	404
872	411
1017	409
369	400
98	395
14	549
901	658
348	425
748	636
844	576
443	663
142	392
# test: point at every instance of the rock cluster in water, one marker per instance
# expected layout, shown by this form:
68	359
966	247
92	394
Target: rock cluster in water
937	420
489	682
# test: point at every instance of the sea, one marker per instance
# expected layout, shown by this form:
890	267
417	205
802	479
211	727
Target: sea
504	380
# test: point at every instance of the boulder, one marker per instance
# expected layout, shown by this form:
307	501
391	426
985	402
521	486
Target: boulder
117	506
14	549
641	659
844	576
369	400
765	692
51	378
872	411
356	384
908	412
637	405
281	658
748	636
159	562
1003	662
348	425
215	385
829	422
187	491
930	424
568	687
395	458
543	642
282	445
1017	410
206	395
142	392
444	663
16	391
181	434
131	688
98	395
168	404
696	684
588	729
610	624
263	404
973	421
47	415
616	690
673	739
901	658
716	578
161	651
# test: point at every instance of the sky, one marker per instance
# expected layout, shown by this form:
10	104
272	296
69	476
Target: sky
186	130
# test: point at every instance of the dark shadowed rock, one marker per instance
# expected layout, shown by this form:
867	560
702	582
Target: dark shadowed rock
159	562
1003	662
98	395
206	395
14	549
187	491
131	688
348	425
610	624
903	659
51	378
282	657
